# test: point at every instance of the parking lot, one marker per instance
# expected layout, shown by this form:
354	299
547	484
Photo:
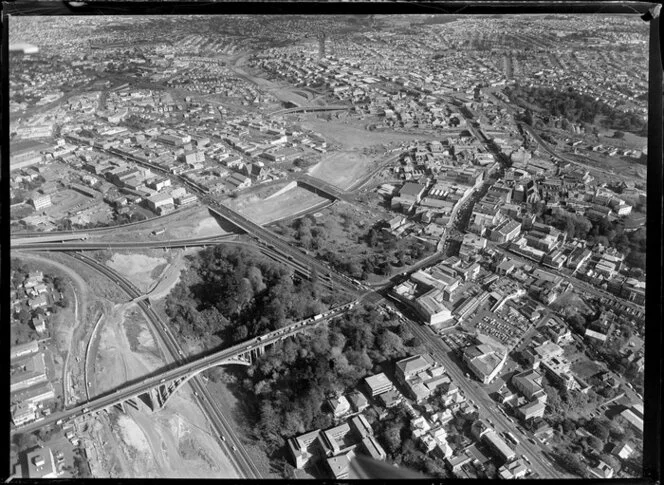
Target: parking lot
506	326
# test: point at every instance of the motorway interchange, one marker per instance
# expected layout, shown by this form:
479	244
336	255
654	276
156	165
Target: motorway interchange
278	249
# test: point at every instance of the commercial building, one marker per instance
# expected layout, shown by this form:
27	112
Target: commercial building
485	360
40	202
23	350
532	410
529	384
27	372
378	384
304	447
41	464
498	445
159	200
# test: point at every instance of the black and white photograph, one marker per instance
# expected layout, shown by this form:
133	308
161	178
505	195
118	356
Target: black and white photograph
328	246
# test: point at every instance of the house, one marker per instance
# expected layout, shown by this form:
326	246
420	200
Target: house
515	469
39	324
339	405
602	470
358	401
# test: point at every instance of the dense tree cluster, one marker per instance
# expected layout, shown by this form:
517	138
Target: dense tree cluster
233	293
576	108
288	385
602	231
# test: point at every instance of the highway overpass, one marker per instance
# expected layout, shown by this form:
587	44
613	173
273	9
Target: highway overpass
156	389
310	109
69	245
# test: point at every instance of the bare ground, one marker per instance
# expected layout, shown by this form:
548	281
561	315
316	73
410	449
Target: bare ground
174	442
342	168
263	211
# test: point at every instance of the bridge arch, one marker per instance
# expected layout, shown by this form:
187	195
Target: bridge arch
167	389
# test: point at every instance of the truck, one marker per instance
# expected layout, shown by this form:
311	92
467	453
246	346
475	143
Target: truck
318	317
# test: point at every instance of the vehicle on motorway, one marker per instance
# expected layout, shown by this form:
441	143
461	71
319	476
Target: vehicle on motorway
85	410
223	438
162	380
196	393
234	448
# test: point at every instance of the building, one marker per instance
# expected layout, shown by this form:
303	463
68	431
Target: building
340	465
23	350
532	410
22	413
485	361
602	470
41	464
372	448
27	372
378	384
529	384
40	202
498	445
34	395
336	440
506	231
339	406
358	401
411	192
412	366
432	307
515	469
159	200
304	447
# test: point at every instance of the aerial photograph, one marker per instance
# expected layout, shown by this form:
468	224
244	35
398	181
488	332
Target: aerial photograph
327	246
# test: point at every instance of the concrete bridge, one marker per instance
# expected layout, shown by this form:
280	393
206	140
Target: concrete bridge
155	391
311	109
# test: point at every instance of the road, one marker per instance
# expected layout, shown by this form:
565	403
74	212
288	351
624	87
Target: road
577	283
92	246
182	369
545	146
474	391
240	458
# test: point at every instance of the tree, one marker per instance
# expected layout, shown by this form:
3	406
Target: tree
618	134
573	464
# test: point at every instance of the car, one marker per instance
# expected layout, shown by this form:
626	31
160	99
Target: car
525	458
234	448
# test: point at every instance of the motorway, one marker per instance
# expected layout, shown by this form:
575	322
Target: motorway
181	370
100	245
206	403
